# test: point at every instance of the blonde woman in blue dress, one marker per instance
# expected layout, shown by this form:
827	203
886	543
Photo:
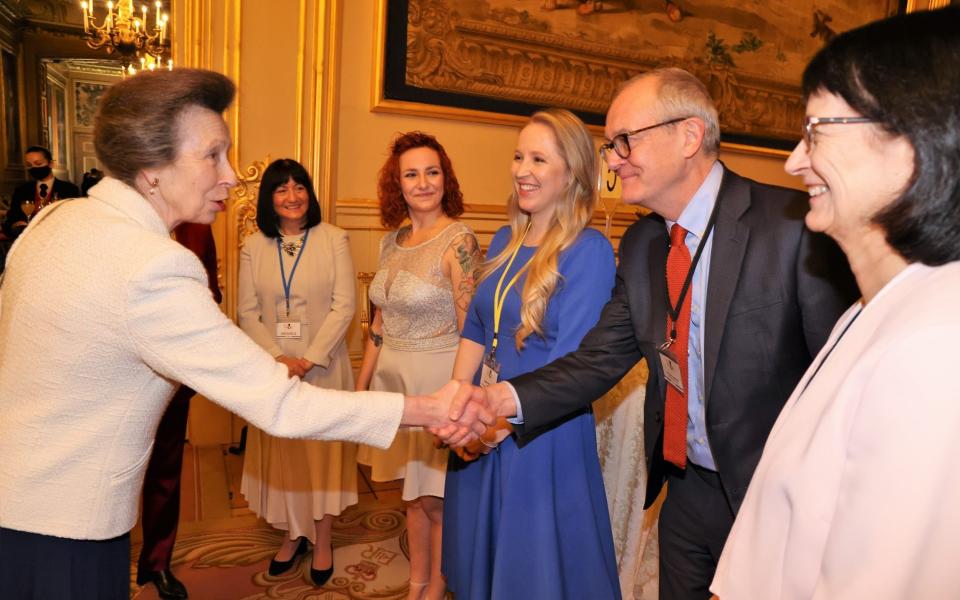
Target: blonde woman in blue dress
529	519
422	290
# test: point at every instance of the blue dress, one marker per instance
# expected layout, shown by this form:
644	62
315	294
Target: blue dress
531	521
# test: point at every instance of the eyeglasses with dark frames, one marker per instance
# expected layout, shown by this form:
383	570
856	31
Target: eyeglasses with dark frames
810	125
621	142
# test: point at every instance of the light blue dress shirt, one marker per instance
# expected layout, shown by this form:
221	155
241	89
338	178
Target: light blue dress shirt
694	219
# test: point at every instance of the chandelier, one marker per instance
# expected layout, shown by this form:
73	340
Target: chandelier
128	34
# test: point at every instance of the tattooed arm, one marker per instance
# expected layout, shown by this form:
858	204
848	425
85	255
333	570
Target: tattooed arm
460	263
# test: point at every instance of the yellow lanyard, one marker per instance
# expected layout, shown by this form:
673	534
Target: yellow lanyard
498	298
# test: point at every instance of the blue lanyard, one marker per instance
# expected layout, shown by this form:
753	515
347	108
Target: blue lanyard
283	276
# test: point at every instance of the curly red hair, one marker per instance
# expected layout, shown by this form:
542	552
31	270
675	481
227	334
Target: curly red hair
393	208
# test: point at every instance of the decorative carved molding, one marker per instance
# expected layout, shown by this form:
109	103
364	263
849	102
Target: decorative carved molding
243	197
241	221
365	306
512	54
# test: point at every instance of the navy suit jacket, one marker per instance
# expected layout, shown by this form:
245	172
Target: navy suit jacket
775	291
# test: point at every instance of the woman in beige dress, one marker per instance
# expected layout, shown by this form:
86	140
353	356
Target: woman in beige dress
296	299
422	290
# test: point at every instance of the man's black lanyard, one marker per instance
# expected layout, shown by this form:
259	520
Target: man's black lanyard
674	312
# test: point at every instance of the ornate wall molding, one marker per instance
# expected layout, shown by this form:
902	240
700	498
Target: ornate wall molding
241	221
448	52
494	61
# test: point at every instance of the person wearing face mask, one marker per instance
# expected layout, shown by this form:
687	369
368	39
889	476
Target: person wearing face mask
42	189
297	295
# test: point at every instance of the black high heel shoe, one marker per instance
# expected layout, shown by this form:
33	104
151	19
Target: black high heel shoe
279	567
320	577
168	586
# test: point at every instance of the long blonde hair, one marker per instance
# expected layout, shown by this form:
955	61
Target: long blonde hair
572	213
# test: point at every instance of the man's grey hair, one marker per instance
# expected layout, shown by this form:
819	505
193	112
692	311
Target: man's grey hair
680	94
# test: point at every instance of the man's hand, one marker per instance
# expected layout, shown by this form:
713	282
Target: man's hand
498	398
490	439
306	365
433	412
473	417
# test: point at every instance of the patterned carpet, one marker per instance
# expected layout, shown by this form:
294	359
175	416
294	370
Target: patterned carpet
370	562
222	551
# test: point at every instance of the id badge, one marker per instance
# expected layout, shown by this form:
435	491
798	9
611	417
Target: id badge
288	329
671	367
490	372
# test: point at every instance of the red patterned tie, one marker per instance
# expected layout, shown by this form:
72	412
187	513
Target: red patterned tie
675	417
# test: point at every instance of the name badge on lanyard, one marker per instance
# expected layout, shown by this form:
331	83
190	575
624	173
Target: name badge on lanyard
288	329
671	366
490	373
288	326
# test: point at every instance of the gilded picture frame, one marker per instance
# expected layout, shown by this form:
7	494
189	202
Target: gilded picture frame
497	61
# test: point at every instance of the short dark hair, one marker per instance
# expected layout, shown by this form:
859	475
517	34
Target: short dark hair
393	208
278	173
45	152
904	72
137	122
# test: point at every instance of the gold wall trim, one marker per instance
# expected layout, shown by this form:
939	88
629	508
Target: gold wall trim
316	94
330	93
363	214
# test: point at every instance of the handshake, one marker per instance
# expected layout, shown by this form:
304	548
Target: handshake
460	414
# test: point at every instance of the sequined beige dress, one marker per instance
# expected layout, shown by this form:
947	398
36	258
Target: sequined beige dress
420	339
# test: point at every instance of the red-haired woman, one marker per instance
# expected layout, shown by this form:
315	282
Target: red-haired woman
422	290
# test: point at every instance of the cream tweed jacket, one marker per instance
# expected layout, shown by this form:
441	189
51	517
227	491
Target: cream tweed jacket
101	313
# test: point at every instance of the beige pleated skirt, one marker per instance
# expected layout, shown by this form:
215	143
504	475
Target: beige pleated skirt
412	456
292	483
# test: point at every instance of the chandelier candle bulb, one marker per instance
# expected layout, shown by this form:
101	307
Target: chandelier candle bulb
127	33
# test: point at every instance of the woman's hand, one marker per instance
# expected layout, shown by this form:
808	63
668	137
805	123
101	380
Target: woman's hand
469	452
306	365
494	435
487	442
293	366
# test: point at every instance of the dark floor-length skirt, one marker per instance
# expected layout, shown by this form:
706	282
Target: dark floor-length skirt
43	567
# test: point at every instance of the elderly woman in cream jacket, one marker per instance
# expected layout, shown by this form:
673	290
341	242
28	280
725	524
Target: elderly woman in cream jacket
102	312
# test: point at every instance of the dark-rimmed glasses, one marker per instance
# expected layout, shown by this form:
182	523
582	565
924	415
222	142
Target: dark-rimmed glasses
621	142
810	124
